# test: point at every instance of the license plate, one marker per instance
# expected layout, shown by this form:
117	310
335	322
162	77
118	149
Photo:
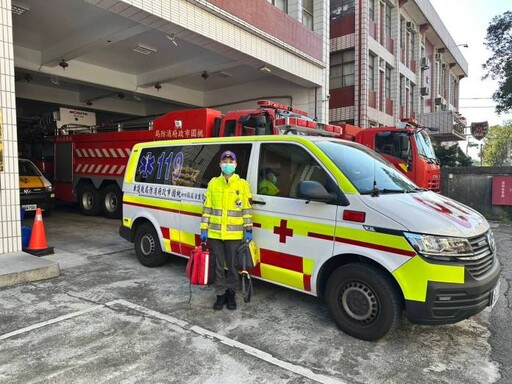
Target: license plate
493	298
29	207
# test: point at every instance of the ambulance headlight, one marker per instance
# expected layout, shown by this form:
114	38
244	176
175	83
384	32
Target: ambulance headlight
47	185
439	247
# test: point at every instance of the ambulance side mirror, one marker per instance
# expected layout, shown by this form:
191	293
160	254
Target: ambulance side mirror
313	190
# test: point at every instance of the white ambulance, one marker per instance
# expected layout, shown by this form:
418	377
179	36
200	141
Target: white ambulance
344	225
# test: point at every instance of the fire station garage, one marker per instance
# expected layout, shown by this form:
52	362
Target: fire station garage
89	66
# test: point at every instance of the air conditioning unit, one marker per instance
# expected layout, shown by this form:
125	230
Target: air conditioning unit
425	91
440	101
438	56
411	27
425	63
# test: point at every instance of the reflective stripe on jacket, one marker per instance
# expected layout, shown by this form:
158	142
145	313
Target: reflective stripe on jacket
227	208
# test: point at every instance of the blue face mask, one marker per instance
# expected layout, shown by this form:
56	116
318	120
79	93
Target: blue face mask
228	169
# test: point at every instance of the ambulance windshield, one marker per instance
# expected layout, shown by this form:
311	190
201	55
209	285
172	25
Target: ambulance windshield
366	170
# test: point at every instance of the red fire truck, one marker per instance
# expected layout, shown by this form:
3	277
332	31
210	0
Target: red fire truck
90	161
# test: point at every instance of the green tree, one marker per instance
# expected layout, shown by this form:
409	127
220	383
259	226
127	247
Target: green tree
452	156
497	142
499	65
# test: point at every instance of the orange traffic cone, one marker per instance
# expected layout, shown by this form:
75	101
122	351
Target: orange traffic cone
37	245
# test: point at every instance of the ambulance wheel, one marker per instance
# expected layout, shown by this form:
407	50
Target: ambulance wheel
112	202
363	301
147	246
89	199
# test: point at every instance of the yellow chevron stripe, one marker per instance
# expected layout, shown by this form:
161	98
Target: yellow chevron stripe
187	238
283	276
414	275
307	266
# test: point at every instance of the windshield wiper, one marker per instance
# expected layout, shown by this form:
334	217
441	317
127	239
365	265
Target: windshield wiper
416	189
375	192
385	190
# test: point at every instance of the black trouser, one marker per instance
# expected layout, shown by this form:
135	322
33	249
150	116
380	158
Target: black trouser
225	256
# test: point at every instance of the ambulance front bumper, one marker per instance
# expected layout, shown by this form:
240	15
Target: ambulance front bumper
451	303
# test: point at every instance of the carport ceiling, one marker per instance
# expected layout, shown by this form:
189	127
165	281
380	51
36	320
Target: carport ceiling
77	31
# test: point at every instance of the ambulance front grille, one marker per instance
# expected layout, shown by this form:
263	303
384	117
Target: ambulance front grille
482	259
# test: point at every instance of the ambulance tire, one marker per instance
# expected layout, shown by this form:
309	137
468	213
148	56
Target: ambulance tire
363	301
112	199
89	199
147	246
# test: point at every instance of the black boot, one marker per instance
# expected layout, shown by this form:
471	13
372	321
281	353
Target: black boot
221	300
230	299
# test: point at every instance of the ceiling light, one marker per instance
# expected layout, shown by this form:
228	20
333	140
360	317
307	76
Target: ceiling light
136	97
224	74
265	69
143	49
19	9
55	80
172	39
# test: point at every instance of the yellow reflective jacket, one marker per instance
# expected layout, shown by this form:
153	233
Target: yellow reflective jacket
266	187
227	208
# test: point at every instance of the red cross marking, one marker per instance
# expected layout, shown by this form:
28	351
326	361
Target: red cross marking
283	231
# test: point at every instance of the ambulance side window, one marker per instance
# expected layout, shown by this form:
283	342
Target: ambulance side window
291	164
188	165
209	158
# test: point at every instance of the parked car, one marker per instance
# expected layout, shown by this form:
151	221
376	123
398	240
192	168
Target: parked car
35	189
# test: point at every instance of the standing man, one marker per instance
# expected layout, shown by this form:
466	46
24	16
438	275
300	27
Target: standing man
227	219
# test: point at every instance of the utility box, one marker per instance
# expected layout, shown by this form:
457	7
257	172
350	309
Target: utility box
502	190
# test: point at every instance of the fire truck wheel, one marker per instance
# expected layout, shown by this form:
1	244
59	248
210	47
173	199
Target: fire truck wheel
112	202
147	246
363	301
90	200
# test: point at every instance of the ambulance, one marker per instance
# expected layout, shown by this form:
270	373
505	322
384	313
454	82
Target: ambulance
345	226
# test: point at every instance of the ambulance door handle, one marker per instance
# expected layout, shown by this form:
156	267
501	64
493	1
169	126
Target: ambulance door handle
259	202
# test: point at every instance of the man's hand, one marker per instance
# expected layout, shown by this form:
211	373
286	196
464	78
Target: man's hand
248	235
204	235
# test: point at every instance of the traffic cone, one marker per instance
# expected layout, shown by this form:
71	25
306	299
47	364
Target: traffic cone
37	245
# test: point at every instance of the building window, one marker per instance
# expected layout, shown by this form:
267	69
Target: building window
371	9
402	90
340	8
403	33
387	85
387	21
280	4
411	99
307	13
342	69
412	46
371	72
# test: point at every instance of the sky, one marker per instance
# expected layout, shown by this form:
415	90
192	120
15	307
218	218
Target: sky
467	22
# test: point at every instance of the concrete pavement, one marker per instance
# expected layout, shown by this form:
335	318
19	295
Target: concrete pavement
108	319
